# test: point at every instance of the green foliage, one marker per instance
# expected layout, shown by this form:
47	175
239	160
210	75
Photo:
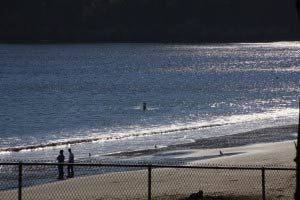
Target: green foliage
143	20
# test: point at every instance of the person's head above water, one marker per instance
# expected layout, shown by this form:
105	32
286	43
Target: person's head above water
61	151
69	150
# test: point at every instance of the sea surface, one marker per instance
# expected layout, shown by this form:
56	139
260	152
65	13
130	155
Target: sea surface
89	96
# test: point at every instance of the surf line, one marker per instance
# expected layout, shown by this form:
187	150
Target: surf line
90	140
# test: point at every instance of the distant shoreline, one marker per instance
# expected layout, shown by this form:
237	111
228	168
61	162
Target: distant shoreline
192	42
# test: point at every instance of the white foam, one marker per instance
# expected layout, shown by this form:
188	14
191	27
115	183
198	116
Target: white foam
176	127
136	131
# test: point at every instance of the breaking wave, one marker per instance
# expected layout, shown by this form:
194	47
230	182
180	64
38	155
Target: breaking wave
180	127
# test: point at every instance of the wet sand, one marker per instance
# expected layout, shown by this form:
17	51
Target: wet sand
266	135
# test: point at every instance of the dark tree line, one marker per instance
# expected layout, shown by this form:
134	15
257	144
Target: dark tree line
147	20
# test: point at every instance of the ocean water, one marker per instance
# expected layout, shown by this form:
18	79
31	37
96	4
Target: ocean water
89	96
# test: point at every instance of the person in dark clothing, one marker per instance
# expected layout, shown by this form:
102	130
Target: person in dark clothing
70	167
61	159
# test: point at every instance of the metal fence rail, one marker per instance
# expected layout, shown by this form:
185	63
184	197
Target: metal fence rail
94	181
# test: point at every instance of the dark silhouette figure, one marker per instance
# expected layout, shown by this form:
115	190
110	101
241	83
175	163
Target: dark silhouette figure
70	167
196	196
144	106
221	153
61	159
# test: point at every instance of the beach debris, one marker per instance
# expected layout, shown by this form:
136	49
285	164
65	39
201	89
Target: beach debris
196	196
221	153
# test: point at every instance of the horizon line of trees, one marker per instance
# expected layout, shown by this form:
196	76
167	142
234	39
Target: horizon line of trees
147	20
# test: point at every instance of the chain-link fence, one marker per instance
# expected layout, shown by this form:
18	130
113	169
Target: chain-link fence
94	181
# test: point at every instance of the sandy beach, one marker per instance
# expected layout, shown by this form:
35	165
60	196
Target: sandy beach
266	154
179	183
264	135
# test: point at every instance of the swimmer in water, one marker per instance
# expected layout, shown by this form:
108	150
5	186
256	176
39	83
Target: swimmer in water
144	106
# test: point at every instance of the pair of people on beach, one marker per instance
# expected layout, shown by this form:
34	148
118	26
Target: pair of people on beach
61	159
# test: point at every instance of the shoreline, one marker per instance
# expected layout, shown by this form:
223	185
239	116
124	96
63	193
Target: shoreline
252	151
225	183
258	136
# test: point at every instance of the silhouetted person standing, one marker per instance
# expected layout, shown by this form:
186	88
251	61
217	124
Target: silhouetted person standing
61	159
70	167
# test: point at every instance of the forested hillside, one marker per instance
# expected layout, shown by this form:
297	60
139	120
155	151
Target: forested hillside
148	20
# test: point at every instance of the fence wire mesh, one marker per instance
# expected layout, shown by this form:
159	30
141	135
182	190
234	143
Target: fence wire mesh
280	184
214	182
37	181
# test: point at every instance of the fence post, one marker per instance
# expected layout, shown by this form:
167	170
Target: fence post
263	181
149	181
20	181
